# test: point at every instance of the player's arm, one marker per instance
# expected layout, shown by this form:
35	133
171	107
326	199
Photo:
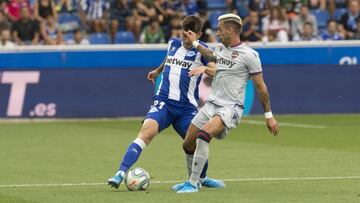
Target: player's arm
154	73
210	70
264	98
207	53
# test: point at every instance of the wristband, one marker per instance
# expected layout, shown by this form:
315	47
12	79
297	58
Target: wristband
195	44
268	115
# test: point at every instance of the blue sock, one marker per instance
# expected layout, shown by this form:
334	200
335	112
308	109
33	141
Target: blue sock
132	154
203	172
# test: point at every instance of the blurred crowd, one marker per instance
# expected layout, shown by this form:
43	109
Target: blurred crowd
54	22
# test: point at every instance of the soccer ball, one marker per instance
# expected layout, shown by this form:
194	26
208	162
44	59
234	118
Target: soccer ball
137	179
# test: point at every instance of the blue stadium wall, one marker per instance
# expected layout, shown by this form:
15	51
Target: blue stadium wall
110	81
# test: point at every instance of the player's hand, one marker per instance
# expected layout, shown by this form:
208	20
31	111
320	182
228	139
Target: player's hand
197	71
152	75
273	126
190	35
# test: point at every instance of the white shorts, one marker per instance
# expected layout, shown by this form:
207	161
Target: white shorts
230	115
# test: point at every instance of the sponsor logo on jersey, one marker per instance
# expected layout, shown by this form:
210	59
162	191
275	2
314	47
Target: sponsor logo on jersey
178	62
225	62
234	54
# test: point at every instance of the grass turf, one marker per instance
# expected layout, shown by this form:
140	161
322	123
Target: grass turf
90	151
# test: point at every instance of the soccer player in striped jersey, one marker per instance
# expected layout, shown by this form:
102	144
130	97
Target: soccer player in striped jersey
175	102
236	63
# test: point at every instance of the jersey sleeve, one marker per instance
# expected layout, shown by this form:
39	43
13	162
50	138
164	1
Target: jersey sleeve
253	62
171	40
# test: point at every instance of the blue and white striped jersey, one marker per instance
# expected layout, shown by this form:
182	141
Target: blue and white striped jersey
176	83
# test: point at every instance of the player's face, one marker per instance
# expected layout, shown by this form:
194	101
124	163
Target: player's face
223	34
186	41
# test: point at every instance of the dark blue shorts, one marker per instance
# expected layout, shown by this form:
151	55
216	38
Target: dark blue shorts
167	112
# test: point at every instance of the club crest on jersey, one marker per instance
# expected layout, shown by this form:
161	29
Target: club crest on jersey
234	54
190	53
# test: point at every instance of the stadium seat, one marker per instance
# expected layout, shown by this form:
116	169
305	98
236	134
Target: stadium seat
124	37
242	9
338	13
68	36
216	4
99	38
213	18
322	16
69	22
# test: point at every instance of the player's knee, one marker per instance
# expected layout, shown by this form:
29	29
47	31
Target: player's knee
188	148
147	135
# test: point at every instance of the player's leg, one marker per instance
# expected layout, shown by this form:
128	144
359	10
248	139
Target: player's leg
189	146
148	131
157	119
189	153
223	119
183	127
214	127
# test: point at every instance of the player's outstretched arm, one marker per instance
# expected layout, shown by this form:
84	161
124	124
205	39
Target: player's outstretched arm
205	52
210	70
263	95
154	73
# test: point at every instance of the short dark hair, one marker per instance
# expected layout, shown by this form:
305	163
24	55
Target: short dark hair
192	23
330	21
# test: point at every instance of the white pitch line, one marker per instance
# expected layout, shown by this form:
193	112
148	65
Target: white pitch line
296	125
177	181
69	120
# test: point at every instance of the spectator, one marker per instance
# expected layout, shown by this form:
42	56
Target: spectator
317	4
4	23
78	39
163	11
120	14
260	6
66	6
292	7
175	29
357	34
142	13
26	31
207	33
307	34
189	7
44	8
50	32
252	28
301	19
336	4
275	26
152	33
3	4
13	9
95	12
331	32
231	6
348	22
5	39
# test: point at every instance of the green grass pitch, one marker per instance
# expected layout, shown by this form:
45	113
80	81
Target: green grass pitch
316	158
